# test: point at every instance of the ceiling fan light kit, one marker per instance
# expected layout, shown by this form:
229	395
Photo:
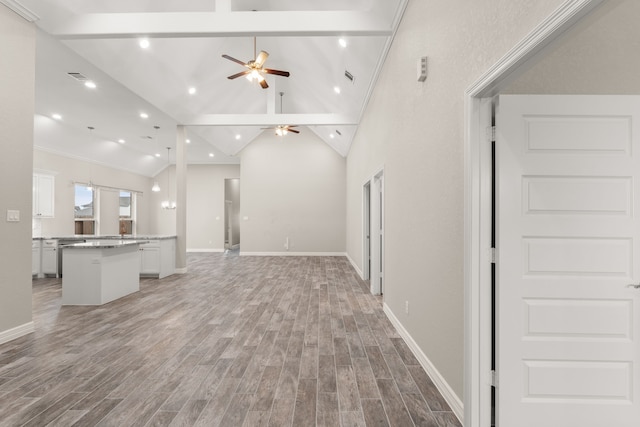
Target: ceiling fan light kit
255	67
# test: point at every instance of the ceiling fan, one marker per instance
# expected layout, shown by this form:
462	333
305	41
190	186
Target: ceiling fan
282	130
256	67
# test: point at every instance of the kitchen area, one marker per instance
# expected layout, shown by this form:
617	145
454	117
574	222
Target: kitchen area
94	237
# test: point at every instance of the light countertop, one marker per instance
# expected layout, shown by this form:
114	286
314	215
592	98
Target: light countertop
104	244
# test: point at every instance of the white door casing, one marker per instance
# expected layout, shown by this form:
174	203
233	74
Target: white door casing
366	231
377	234
568	246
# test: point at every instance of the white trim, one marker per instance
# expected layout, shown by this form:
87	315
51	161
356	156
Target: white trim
205	250
21	10
293	254
457	407
355	267
181	270
17	332
475	283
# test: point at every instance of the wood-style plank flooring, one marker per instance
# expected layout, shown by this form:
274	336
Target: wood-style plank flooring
237	341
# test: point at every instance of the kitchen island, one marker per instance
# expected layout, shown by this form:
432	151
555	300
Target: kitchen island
100	271
157	256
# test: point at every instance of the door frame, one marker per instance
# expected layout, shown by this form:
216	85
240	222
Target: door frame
477	201
366	230
228	223
369	209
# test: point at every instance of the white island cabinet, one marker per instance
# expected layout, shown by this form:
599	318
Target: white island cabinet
158	257
99	272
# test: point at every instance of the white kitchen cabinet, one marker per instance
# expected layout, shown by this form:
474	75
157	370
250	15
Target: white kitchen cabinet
43	195
158	258
50	257
35	257
150	258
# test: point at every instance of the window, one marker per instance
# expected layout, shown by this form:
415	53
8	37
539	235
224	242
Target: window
125	204
84	209
126	212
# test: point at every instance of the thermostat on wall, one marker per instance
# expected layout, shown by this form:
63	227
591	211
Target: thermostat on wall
422	69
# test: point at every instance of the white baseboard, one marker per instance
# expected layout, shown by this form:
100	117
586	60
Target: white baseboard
205	250
17	332
182	270
441	384
355	267
292	253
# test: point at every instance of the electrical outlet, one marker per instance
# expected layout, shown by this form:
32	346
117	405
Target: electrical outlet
13	215
406	307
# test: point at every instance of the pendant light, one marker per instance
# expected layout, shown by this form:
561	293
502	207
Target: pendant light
168	204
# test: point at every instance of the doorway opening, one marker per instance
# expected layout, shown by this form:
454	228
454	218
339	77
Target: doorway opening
373	233
232	214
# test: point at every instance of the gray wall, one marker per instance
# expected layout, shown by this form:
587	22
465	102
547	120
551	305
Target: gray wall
292	186
599	56
205	205
416	131
17	86
68	170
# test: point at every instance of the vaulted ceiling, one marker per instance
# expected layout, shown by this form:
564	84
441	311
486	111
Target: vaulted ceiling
333	50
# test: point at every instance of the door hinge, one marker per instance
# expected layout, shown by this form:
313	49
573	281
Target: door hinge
492	255
491	134
494	378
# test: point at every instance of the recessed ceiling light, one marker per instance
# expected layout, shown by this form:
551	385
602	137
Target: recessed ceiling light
336	89
144	43
188	141
144	115
211	154
331	136
121	141
238	136
342	42
90	84
56	116
192	90
157	154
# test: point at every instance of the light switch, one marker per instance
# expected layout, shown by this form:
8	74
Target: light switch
13	215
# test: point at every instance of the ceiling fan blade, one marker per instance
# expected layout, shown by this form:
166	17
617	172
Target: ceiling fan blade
262	56
230	58
240	74
264	84
293	130
276	72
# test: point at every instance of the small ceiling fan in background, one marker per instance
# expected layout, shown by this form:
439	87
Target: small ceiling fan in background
256	67
282	130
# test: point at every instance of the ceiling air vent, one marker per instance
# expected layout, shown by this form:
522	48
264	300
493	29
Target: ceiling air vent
349	76
338	132
79	77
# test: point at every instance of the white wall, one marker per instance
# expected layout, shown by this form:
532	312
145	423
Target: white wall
17	53
597	56
205	205
292	186
415	130
68	170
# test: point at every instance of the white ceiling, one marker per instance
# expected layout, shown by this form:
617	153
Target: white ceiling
99	39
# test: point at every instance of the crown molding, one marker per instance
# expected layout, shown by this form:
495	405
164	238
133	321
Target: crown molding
20	10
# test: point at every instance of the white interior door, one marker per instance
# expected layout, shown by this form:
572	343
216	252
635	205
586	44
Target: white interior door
568	247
